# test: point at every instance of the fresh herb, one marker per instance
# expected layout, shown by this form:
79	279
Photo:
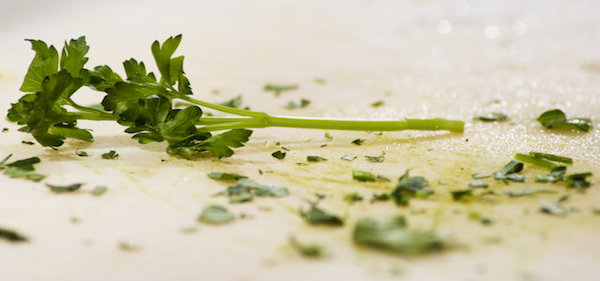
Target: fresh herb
527	191
458	195
278	154
4	130
358	141
238	194
348	157
317	216
215	215
596	211
556	119
28	142
393	235
378	103
11	235
512	167
328	136
320	195
293	105
144	104
99	190
554	176
480	176
128	247
64	188
382	177
407	188
578	180
225	176
279	88
110	155
22	168
234	102
380	197
81	153
307	250
553	209
376	159
352	197
536	161
315	159
494	116
515	177
552	157
320	80
363	175
245	190
481	184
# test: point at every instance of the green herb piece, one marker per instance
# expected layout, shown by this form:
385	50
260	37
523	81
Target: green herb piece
215	215
382	177
527	191
553	209
596	211
376	159
476	184
363	175
480	176
279	88
81	153
110	155
393	235
317	216
11	235
552	157
554	176
315	159
348	157
307	250
352	197
238	194
358	141
328	136
225	176
535	161
128	247
262	190
458	195
515	177
407	188
512	167
556	119
380	197
64	188
4	130
578	180
320	80
278	154
99	190
28	142
22	168
234	102
320	195
494	116
293	105
378	103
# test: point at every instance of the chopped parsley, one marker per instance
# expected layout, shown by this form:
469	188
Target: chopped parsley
99	190
527	191
293	105
358	141
480	176
553	209
225	176
22	168
578	180
554	176
376	159
307	250
81	153
279	88
352	197
110	155
328	136
556	119
4	130
363	175
458	195
278	154
380	197
494	116
317	216
407	188
64	188
378	103
512	167
215	215
478	183
245	190
12	235
28	142
348	157
315	159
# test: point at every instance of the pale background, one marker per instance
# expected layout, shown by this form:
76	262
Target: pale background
448	59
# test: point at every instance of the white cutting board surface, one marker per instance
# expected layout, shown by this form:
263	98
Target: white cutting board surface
448	59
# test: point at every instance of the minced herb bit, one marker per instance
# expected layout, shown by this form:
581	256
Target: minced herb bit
527	191
458	195
128	247
358	141
28	142
307	250
279	88
536	161
552	157
64	188
225	176
215	215
11	235
494	116
234	102
22	168
293	105
278	154
407	188
554	176
393	235
363	175
328	136
480	176
378	103
353	197
481	184
99	190
4	130
512	167
376	159
81	153
553	209
320	80
317	216
380	197
245	189
578	180
556	119
110	155
348	157
315	159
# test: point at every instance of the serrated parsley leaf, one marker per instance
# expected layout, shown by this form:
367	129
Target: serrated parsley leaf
44	64
219	145
556	119
23	168
278	154
110	155
407	188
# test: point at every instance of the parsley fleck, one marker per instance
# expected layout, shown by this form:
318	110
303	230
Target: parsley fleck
315	159
28	142
536	161
512	167
293	105
352	197
5	130
215	215
378	103
110	155
225	176
328	136
380	197
99	190
458	195
22	168
348	157
81	153
407	188
234	102
556	119
480	175
554	176
553	209
64	188
494	116
527	191
11	235
278	154
279	88
578	180
480	183
358	141
552	157
307	250
317	216
363	175
320	80
376	159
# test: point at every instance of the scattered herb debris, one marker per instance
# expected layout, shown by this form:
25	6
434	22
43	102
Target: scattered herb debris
315	159
393	235
245	189
352	197
381	197
512	167
552	157
458	195
320	80
307	250
536	161
553	209
278	154
515	177
481	184
110	155
81	153
4	130
328	136
293	105
22	168
28	142
596	211
494	116
215	215
363	175
382	177
279	88
99	190
578	180
407	188
234	102
320	195
480	176
64	188
317	216
225	176
358	141
527	191
554	176
128	247
348	157
556	119
376	159
378	103
12	235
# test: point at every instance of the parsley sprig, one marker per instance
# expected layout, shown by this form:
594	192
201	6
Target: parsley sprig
144	104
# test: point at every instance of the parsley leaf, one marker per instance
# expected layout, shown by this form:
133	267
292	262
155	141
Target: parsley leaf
317	216
512	167
556	119
64	188
553	209
279	88
293	105
307	250
225	176
363	175
494	116
376	159
278	154
578	180
407	188
110	155
12	235
23	168
527	191
358	141
215	215
99	190
315	159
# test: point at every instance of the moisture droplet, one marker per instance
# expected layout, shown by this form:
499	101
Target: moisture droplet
492	32
519	28
444	27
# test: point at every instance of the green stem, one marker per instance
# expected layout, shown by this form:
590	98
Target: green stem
222	108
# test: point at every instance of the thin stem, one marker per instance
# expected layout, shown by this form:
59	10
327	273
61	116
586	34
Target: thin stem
226	109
